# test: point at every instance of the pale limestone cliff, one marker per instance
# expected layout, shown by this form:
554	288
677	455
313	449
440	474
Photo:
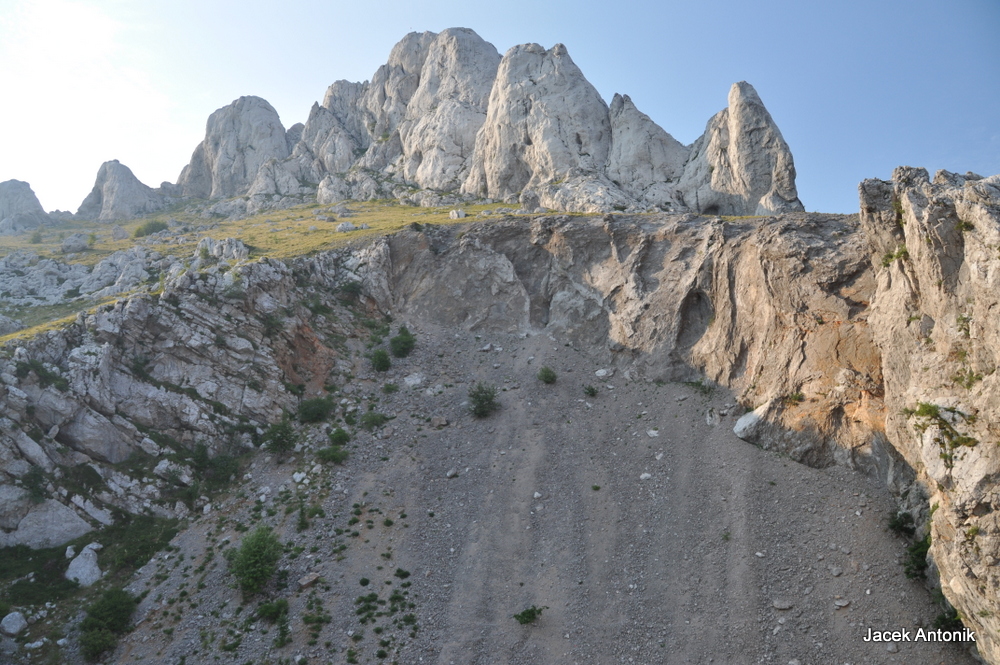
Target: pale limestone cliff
934	248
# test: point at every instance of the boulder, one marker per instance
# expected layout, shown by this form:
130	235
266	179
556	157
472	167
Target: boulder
13	624
19	208
118	233
456	214
344	227
84	568
76	242
9	325
118	194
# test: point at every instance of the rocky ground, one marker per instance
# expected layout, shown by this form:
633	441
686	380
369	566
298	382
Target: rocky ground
643	526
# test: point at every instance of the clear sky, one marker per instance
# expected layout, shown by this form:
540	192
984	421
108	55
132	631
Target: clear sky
857	87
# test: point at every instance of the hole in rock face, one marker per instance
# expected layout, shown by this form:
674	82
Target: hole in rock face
711	210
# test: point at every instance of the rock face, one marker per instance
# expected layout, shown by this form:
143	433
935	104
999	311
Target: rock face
19	208
933	244
446	114
118	194
239	139
645	161
741	164
546	125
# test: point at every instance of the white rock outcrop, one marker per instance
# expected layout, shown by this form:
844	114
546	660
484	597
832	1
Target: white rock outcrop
48	524
118	194
19	208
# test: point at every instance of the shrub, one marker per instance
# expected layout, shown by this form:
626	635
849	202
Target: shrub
339	437
390	388
380	360
373	419
547	375
150	228
483	400
332	454
351	290
902	524
590	391
281	437
915	564
530	615
255	561
315	410
36	237
107	618
402	343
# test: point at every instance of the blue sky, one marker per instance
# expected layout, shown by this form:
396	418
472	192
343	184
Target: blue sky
856	87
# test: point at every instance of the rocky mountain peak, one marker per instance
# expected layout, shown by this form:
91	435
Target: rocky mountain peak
446	114
19	208
118	194
239	139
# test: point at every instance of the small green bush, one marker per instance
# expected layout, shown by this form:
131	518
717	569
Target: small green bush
255	561
351	290
483	400
315	410
590	391
107	618
281	437
339	437
547	375
403	343
380	360
332	454
149	228
915	564
36	237
373	419
530	615
390	388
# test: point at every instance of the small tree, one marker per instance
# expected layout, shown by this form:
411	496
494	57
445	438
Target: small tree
403	343
380	360
253	564
483	400
547	375
107	618
281	437
315	410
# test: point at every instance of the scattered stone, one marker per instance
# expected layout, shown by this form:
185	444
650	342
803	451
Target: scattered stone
782	604
456	214
452	472
308	580
645	476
